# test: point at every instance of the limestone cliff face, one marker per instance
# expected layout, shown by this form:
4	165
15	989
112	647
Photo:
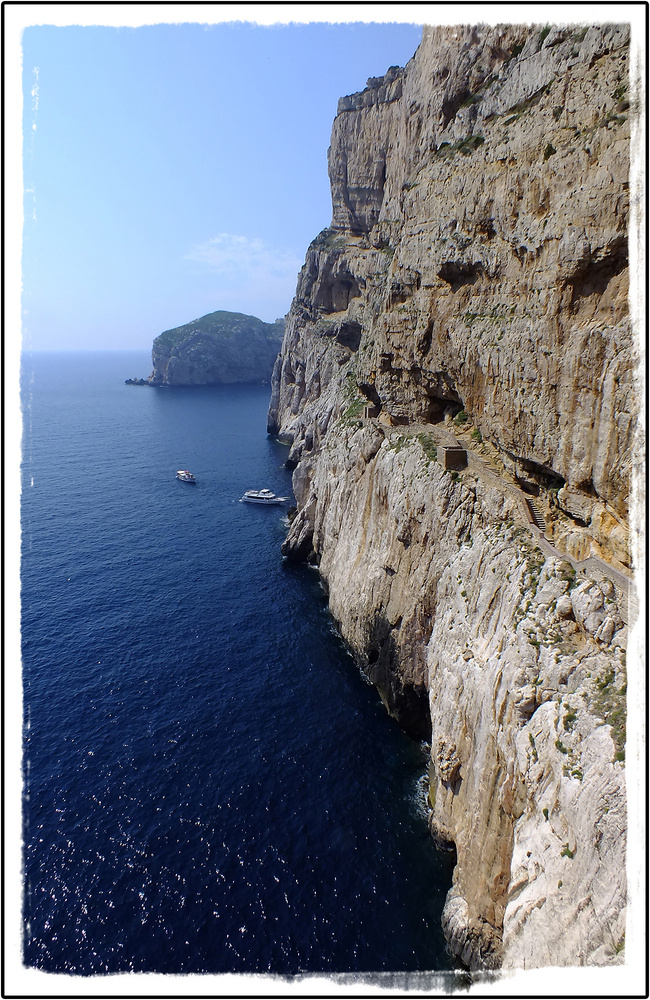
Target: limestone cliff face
478	259
472	290
218	348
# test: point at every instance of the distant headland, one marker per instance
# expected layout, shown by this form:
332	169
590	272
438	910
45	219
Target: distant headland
219	348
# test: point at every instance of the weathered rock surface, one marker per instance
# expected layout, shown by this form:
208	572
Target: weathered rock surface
476	270
218	348
478	260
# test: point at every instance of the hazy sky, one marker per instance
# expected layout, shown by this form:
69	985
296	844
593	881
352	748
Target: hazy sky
174	169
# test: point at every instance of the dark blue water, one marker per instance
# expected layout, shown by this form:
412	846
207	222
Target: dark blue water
210	784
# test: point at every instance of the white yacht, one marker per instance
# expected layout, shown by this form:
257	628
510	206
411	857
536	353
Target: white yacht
185	476
261	496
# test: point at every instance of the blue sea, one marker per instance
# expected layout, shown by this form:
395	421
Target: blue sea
211	785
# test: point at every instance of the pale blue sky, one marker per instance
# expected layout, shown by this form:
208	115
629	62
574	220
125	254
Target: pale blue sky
171	170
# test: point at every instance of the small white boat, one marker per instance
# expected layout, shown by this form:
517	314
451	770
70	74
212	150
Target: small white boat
261	496
185	476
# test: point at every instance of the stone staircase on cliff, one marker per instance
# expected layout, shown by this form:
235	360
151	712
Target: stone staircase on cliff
536	515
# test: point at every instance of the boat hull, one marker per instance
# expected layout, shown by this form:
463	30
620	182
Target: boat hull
275	500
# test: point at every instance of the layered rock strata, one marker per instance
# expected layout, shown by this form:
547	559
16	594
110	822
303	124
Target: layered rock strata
221	347
473	289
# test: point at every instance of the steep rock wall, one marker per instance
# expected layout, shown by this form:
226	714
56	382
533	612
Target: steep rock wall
474	284
493	276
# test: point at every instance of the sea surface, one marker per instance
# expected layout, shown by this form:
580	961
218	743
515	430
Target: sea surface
211	785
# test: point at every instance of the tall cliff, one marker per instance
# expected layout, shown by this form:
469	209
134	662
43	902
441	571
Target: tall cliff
472	292
215	349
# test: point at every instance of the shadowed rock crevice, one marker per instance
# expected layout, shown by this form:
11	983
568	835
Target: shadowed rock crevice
457	273
425	339
594	278
406	700
349	335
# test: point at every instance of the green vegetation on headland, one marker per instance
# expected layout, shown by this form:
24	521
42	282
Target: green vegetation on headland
218	348
220	324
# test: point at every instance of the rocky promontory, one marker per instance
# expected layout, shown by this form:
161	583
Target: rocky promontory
222	347
471	298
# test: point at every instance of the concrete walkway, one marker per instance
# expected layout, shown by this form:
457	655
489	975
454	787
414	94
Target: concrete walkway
593	567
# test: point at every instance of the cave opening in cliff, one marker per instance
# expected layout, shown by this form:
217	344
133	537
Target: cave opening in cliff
335	294
373	397
587	486
451	105
439	407
459	273
349	335
594	279
532	476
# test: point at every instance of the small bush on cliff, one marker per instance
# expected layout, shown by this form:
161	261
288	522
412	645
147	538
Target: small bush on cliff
353	411
356	402
604	682
329	239
385	247
428	446
550	149
569	719
461	418
464	146
397	443
469	144
611	705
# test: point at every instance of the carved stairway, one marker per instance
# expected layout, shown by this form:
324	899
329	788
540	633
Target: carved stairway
536	514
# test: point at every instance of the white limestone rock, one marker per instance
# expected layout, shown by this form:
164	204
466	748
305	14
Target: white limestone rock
452	279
